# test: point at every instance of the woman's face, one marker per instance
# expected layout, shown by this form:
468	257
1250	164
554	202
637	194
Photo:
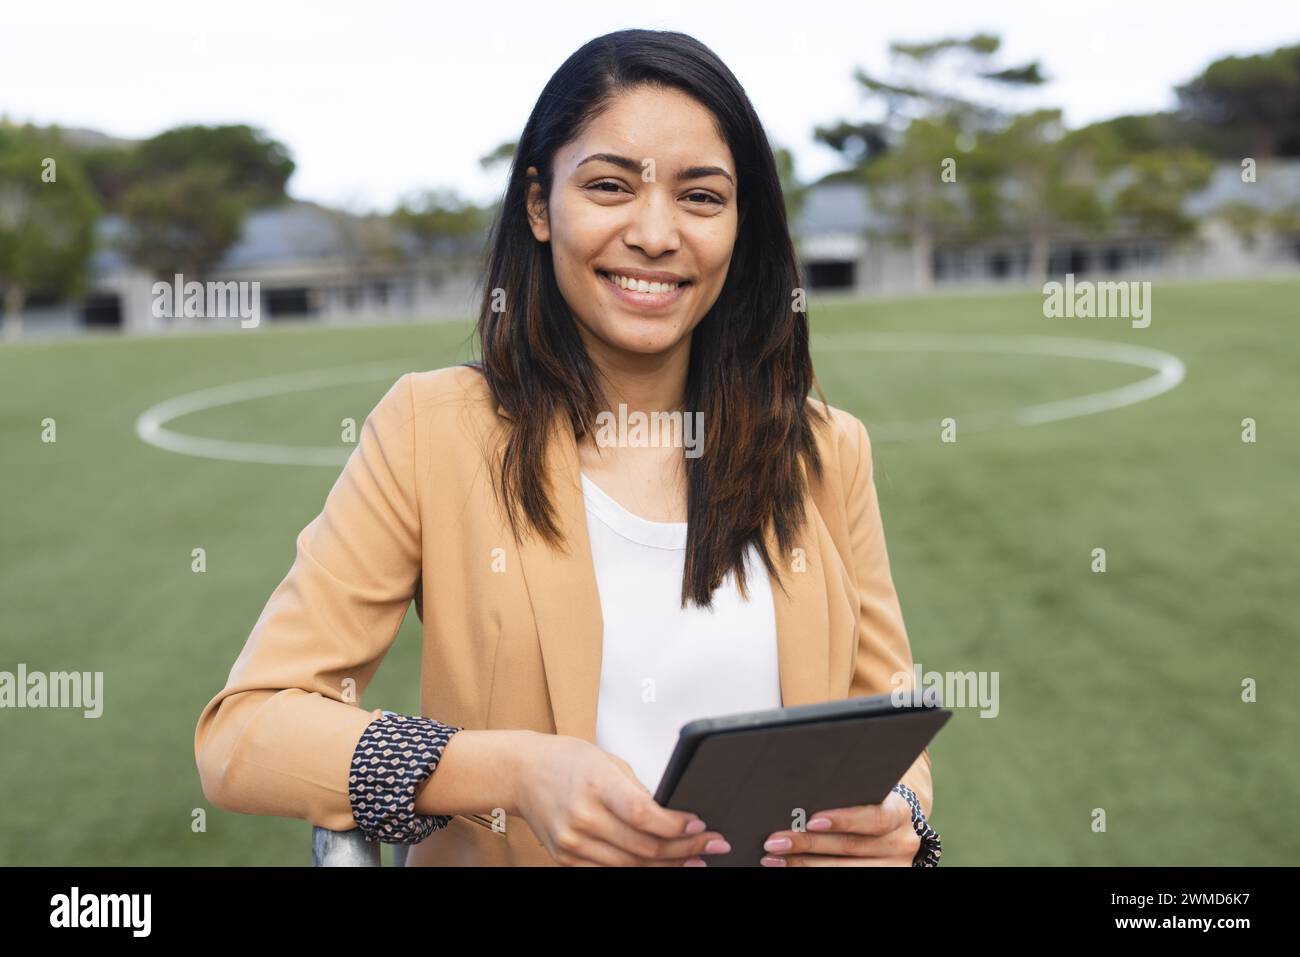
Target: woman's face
649	187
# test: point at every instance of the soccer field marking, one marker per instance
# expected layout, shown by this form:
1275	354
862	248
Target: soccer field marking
150	425
1169	372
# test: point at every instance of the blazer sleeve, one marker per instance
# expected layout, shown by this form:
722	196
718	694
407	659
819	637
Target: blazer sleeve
280	737
883	648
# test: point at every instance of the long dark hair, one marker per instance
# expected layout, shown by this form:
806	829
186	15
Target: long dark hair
749	372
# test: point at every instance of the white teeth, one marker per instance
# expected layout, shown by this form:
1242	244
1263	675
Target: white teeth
640	285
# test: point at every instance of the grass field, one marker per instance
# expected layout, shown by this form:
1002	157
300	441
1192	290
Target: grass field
1119	691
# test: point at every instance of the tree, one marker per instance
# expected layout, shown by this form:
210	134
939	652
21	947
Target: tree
111	171
1151	201
502	153
906	184
47	221
792	188
190	189
1048	180
940	97
433	213
1247	106
1144	132
953	78
253	165
182	222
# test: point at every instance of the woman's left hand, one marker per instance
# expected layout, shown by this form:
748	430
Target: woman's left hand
868	835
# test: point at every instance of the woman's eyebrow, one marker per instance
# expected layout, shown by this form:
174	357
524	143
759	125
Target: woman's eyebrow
632	166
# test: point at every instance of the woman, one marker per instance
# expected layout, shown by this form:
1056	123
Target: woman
584	589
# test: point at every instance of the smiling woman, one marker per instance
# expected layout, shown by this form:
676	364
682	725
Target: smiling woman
583	599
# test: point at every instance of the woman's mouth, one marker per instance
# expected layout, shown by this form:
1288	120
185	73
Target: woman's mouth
641	294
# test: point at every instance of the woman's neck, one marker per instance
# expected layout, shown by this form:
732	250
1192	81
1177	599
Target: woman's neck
642	383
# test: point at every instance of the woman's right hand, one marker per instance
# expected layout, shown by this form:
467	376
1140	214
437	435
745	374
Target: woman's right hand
588	808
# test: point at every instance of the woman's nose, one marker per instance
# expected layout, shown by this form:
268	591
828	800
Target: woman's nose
653	226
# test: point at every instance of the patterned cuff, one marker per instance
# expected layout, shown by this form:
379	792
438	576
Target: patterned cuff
394	756
930	850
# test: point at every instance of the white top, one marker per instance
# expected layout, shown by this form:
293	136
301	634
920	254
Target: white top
662	666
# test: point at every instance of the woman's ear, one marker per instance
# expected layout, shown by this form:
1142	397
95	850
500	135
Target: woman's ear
538	220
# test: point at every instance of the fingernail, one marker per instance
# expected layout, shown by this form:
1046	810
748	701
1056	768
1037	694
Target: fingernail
778	844
717	846
819	824
695	826
695	862
772	862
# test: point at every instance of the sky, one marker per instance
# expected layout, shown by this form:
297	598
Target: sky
380	98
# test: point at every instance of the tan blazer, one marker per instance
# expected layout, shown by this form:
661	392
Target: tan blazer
511	635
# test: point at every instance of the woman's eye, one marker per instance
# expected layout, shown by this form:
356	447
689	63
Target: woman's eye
608	186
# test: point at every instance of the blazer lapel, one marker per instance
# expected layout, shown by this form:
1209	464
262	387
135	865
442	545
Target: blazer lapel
565	599
566	603
802	617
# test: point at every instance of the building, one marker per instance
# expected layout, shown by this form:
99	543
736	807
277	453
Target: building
848	245
310	262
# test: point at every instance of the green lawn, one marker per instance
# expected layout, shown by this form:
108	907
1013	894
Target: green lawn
1119	691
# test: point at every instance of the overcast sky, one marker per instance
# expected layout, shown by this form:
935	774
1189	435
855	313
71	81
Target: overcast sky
379	97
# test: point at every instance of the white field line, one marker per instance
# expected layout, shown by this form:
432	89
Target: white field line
1169	372
150	426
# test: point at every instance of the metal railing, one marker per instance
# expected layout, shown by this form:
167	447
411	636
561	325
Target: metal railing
350	848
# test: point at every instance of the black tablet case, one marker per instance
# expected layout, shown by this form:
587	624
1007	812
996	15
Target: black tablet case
746	783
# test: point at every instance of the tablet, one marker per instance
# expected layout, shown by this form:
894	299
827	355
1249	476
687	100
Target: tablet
745	775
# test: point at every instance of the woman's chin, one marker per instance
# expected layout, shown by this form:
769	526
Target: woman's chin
644	337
